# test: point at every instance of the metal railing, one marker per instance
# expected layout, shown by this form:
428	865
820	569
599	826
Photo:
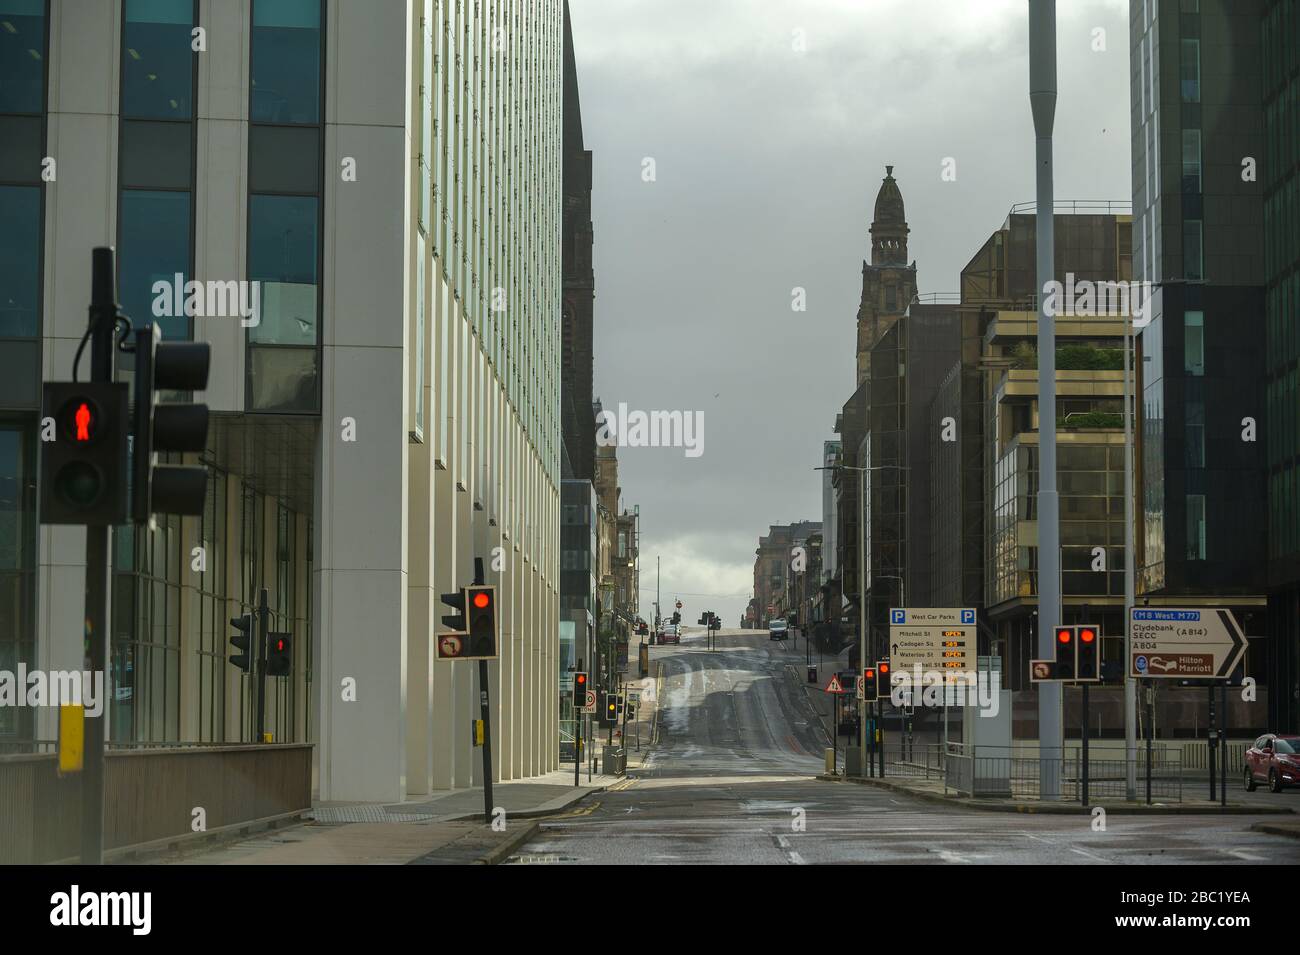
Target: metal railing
1092	207
1016	773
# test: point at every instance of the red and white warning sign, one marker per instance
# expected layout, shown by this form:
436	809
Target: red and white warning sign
835	686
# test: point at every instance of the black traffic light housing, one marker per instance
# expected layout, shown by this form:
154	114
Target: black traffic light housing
481	613
175	426
608	709
243	641
1067	647
84	453
279	654
579	691
870	685
456	601
883	679
1088	654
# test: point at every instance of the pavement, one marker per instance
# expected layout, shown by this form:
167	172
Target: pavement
445	828
733	780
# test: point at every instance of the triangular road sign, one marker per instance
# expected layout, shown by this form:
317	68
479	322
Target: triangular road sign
834	686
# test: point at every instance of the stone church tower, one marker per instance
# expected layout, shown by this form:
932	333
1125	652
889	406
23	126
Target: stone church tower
889	281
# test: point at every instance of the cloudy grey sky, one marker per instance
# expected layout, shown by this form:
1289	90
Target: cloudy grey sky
768	160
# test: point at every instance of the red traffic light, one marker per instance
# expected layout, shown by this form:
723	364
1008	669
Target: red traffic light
869	673
884	667
481	599
1064	635
81	419
582	679
1087	635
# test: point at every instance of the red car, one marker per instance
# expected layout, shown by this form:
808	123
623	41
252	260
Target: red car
670	634
1274	760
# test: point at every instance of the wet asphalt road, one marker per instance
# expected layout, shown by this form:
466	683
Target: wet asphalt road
732	781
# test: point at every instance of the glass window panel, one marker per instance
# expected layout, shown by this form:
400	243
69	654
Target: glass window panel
20	148
286	61
1194	343
1191	160
1192	265
157	59
284	159
154	246
20	257
282	379
1190	70
1196	527
156	155
22	56
282	254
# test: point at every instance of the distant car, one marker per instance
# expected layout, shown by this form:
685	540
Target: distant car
1274	760
671	634
778	630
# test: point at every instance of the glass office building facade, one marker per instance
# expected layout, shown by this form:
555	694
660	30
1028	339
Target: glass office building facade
390	413
1279	32
1199	227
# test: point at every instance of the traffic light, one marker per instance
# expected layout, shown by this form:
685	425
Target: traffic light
870	685
279	654
882	680
481	609
83	453
677	617
1066	654
1089	653
243	640
176	426
609	710
456	601
579	691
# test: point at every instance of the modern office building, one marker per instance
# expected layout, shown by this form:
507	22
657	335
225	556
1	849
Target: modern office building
389	173
1199	158
1281	178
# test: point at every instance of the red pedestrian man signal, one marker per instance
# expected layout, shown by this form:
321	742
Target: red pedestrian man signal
82	421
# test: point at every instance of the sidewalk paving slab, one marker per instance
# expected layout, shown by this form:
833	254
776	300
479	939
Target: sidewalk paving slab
446	828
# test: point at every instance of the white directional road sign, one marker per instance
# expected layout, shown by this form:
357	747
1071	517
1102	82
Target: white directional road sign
1206	643
933	638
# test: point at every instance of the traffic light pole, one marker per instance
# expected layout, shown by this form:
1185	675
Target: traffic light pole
259	656
1083	744
102	321
1210	744
485	712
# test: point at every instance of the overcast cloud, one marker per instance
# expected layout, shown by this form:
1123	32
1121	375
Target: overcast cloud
768	161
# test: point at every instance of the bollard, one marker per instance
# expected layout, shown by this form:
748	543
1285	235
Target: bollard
830	761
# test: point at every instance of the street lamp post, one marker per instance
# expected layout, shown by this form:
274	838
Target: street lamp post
1042	101
862	588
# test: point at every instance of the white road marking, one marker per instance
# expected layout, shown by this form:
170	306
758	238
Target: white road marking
1243	854
1089	855
794	857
